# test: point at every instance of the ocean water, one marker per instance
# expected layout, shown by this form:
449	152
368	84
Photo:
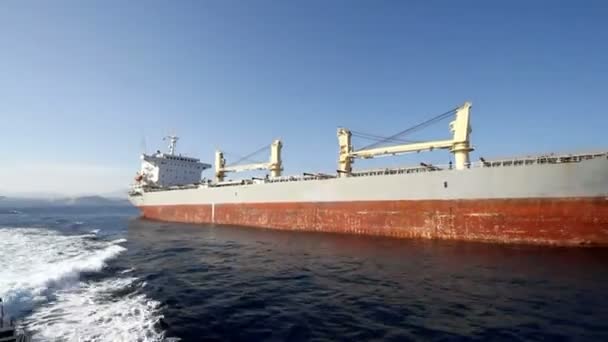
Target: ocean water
102	274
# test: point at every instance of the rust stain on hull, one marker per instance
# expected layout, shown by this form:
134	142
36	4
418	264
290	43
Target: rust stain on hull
569	221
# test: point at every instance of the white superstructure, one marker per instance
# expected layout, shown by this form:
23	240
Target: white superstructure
169	169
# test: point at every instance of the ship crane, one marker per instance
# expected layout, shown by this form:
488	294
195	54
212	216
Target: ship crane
274	164
459	145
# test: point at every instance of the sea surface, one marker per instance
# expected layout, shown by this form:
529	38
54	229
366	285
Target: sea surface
102	274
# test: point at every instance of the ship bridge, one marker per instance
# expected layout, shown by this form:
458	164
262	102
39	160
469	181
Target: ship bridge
169	169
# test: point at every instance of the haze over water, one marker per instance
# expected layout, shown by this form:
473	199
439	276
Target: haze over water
99	273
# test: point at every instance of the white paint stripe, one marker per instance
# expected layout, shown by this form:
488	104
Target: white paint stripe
212	212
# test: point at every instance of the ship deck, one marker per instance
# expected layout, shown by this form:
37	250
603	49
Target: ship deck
547	159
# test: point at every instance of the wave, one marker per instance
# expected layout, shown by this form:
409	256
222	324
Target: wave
32	260
129	270
94	313
40	277
10	212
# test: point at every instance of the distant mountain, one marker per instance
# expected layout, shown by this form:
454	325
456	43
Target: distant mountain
82	201
93	201
118	194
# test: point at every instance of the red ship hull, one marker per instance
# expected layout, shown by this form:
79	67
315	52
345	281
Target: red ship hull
562	221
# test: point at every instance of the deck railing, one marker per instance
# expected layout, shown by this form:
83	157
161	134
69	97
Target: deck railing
525	161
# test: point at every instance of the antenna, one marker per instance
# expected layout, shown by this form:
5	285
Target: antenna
172	142
142	145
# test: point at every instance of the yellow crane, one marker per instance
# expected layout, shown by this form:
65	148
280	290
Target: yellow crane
459	145
274	164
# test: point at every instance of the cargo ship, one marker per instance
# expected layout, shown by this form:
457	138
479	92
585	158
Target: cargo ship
554	199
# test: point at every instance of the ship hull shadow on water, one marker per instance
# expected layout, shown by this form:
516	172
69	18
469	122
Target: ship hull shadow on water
234	283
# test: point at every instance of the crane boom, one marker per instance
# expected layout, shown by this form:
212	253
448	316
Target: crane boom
274	163
459	145
401	149
246	167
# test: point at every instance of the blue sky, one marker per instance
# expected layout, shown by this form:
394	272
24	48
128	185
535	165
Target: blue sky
84	83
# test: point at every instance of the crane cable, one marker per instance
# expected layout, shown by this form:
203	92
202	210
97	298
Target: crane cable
412	129
374	137
247	157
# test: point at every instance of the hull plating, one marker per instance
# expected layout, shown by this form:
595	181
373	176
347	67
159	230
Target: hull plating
564	221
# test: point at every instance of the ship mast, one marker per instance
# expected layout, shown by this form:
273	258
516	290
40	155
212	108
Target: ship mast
459	145
172	142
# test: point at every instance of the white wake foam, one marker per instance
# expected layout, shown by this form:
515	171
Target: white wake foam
32	259
92	313
39	271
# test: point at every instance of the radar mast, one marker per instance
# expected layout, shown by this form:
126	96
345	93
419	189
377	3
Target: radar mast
172	142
